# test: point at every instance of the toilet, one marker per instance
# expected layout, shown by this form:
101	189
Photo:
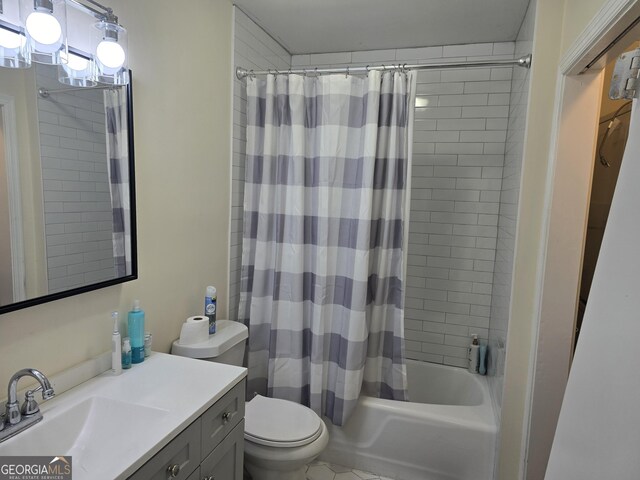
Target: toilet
280	437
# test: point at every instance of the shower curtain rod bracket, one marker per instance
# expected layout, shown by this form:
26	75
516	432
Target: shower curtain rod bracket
524	62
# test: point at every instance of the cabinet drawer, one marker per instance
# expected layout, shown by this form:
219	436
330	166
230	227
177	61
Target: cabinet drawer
183	454
227	459
195	475
222	417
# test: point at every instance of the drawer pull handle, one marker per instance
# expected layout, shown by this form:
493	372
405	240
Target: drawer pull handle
208	478
226	416
173	470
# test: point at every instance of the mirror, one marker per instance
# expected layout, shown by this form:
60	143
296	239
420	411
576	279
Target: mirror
67	200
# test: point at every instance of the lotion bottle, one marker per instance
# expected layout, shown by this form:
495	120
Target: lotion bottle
116	346
474	352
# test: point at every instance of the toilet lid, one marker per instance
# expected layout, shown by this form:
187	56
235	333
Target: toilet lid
275	422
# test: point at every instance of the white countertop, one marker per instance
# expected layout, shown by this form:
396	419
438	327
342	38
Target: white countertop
146	406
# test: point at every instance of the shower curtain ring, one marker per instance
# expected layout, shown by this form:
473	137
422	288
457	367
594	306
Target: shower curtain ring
347	74
316	71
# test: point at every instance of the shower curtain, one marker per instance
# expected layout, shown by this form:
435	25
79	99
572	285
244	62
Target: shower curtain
115	103
322	260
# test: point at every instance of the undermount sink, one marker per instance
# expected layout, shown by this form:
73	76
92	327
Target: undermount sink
87	431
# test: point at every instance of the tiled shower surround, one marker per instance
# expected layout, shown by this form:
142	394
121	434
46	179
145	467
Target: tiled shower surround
459	140
460	132
253	49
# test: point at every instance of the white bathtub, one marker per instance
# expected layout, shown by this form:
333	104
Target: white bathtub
446	432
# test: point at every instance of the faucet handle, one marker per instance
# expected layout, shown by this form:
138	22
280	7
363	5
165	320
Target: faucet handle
30	406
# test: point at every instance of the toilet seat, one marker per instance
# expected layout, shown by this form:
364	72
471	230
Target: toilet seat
274	422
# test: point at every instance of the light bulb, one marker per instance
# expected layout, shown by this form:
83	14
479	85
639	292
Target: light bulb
77	63
111	55
45	30
10	40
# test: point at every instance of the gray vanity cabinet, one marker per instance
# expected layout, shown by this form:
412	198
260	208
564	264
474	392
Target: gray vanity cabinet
211	448
226	461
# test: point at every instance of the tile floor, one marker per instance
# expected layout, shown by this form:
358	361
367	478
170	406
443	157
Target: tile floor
319	470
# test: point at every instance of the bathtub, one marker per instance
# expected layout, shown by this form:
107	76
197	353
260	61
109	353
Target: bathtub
446	432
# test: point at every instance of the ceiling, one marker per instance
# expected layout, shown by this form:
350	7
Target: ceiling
322	26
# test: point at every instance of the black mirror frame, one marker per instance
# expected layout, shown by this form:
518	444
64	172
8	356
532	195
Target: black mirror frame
134	238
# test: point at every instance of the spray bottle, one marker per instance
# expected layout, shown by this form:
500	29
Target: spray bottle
210	300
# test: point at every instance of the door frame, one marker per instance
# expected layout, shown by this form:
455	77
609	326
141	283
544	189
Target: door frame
12	161
573	148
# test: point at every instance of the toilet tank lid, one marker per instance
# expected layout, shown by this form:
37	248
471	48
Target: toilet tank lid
228	334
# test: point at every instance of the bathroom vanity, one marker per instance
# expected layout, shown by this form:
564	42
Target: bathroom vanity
210	448
168	417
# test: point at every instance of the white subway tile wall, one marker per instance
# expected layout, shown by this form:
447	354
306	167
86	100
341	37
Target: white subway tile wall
77	202
460	134
507	220
253	49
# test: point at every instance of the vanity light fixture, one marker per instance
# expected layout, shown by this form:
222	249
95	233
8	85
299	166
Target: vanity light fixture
79	71
13	43
45	24
111	52
13	48
37	31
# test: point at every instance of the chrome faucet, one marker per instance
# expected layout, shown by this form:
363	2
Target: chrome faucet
17	419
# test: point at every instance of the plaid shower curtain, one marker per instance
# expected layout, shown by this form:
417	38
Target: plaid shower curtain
115	104
322	260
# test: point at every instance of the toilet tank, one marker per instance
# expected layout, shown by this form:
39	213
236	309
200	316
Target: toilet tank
225	346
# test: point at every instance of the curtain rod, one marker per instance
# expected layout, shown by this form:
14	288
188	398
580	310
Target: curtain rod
45	92
521	62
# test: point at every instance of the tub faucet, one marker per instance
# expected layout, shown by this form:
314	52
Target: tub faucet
16	419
